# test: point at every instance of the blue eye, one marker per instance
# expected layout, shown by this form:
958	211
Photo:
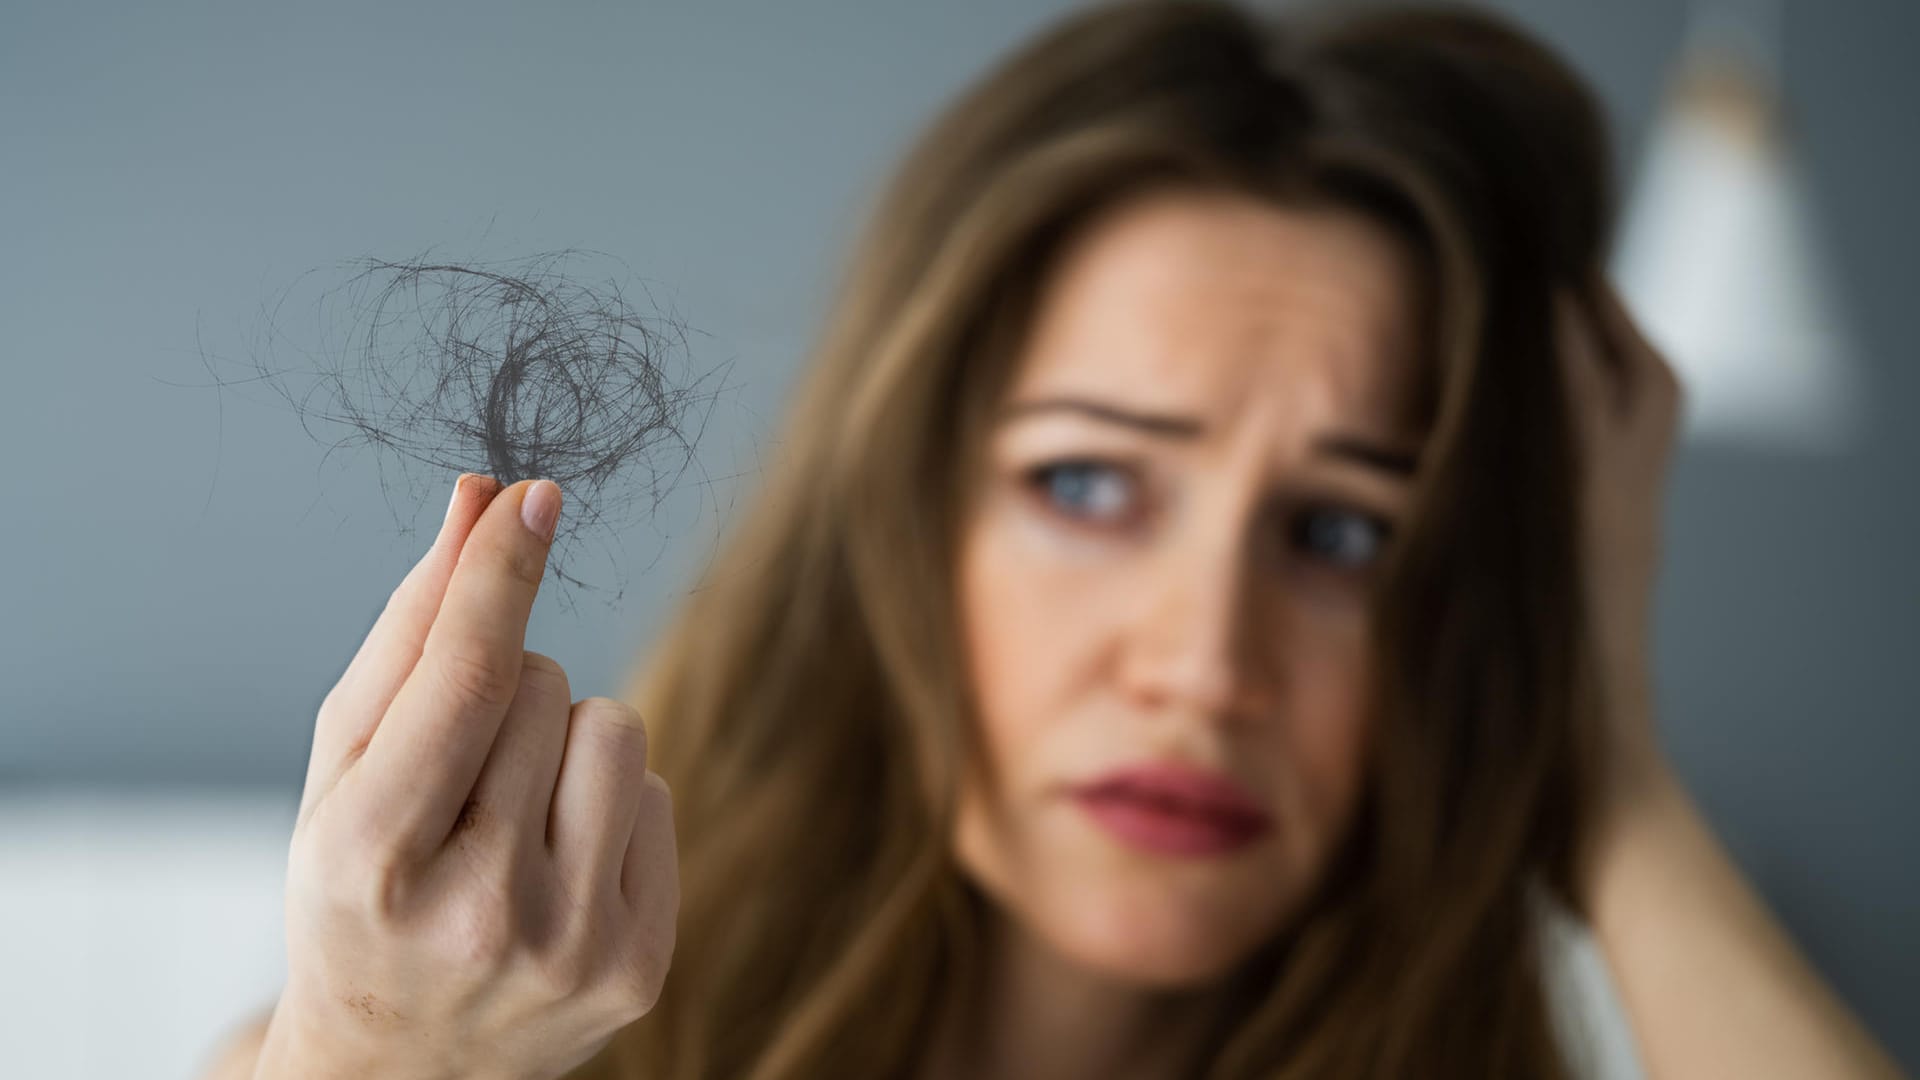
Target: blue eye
1098	492
1341	537
1084	489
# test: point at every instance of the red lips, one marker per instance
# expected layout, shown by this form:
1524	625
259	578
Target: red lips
1173	781
1171	808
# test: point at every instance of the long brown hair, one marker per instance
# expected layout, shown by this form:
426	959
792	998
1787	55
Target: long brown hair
807	703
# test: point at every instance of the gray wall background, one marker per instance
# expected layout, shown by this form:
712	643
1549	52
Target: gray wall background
186	579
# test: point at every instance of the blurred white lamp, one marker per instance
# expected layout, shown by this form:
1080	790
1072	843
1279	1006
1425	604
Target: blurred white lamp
1718	256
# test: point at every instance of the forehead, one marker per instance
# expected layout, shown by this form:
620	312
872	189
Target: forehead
1209	301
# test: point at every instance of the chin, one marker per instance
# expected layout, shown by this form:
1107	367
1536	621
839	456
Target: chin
1157	942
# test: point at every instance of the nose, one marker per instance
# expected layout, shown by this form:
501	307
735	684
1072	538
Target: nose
1194	646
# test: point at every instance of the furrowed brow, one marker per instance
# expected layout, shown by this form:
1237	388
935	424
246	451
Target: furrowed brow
1356	449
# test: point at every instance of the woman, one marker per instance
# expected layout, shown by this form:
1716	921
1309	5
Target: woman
1200	611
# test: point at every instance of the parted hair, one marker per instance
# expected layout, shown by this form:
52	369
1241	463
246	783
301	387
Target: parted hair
807	703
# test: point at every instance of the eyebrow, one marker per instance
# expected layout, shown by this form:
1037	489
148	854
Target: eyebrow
1167	426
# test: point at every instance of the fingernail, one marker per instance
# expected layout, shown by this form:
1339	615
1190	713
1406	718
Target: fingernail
455	500
541	508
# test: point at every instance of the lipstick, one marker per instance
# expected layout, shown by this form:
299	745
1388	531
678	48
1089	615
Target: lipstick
1171	809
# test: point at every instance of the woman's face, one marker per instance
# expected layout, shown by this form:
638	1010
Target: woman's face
1196	470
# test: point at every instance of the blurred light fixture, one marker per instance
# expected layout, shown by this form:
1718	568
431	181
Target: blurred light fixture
1718	255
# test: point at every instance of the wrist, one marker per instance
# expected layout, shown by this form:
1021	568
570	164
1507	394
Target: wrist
286	1055
1633	768
294	1050
1643	806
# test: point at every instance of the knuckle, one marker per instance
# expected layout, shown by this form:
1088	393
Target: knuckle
471	673
356	868
614	712
564	973
644	972
522	562
545	673
526	567
381	884
644	998
482	933
612	724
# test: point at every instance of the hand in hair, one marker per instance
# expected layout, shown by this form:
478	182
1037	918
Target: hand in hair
1714	984
1626	402
483	878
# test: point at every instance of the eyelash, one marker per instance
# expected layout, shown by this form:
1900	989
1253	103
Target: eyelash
1297	529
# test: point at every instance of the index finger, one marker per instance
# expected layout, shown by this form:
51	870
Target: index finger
362	693
426	754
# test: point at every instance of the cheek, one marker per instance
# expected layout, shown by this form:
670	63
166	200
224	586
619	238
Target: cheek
1012	636
1327	731
1032	621
998	626
1008	638
1033	618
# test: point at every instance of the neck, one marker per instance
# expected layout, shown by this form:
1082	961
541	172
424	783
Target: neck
1034	1014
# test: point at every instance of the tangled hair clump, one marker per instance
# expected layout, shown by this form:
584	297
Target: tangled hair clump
517	370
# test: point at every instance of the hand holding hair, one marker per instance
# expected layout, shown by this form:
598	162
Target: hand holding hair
483	878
